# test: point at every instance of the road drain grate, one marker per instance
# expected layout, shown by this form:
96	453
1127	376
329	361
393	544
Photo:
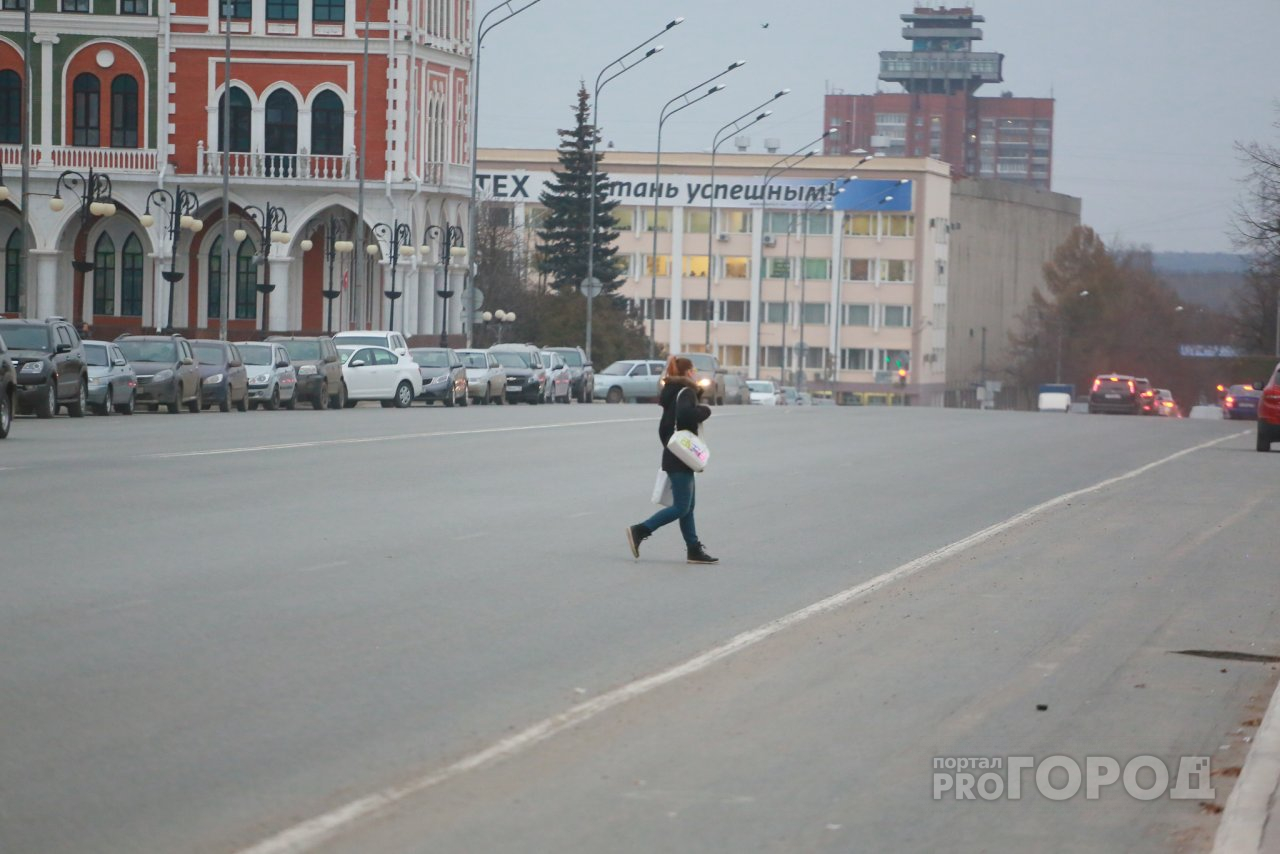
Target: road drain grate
1229	655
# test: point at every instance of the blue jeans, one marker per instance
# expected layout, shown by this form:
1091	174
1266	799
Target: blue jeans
682	492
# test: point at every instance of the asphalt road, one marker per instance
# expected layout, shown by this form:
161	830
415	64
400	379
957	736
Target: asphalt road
341	626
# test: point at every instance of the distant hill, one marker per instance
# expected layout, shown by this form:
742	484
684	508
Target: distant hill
1202	278
1199	262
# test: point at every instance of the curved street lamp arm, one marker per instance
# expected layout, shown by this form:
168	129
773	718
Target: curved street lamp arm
621	60
664	114
761	116
482	30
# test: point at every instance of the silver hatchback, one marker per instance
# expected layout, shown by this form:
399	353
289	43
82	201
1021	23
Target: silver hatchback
272	381
113	386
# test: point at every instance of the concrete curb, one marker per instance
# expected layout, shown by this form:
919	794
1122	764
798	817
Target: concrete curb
1244	821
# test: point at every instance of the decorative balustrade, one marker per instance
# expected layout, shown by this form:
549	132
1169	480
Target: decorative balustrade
256	164
112	160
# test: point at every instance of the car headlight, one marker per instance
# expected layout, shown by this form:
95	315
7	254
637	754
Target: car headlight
97	380
704	382
440	379
36	367
163	376
261	379
214	379
306	370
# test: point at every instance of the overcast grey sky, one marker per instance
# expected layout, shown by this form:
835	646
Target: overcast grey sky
1150	96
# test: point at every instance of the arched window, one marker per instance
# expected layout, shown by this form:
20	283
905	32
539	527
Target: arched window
85	95
124	112
131	278
246	282
13	272
240	121
10	107
104	276
329	10
281	133
213	303
326	124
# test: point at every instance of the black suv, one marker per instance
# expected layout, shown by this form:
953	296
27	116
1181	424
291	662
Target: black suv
1116	393
167	370
51	366
315	360
8	390
582	377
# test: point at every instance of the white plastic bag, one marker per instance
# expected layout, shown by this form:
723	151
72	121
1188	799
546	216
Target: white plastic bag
662	490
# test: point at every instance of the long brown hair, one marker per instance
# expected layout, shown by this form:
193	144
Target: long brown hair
678	367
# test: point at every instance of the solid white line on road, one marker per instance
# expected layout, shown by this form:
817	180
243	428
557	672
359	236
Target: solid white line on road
470	537
314	831
364	440
323	566
580	515
1244	821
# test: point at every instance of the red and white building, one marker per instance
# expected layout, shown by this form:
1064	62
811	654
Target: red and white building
133	90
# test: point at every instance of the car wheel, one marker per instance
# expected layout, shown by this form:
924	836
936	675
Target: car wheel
253	405
105	407
47	406
194	404
224	405
176	406
273	402
321	399
78	408
465	400
6	413
129	406
339	400
1264	437
404	395
614	395
292	403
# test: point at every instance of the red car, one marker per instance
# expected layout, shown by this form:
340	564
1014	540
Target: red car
1269	412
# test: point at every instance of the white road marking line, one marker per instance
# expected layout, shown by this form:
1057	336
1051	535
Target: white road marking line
580	515
323	566
314	831
469	537
364	440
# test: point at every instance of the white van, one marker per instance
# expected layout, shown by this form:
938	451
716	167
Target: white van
1054	401
393	341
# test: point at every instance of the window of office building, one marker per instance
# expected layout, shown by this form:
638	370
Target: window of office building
655	310
860	225
663	265
776	312
771	357
330	11
857	269
695	266
697	221
282	10
246	289
735	311
124	112
897	315
624	219
85	95
898	225
662	218
10	107
737	267
817	268
897	271
817	222
777	268
535	216
815	357
778	222
13	300
695	309
735	222
857	314
240	120
327	116
732	355
131	266
75	5
855	359
814	312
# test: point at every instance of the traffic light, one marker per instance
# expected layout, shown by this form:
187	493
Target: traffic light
902	376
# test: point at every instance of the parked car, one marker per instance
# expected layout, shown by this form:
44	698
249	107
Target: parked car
735	390
486	379
8	390
582	377
376	373
1269	412
559	382
273	382
224	379
113	386
444	377
1165	405
1116	393
787	395
711	377
629	380
763	392
526	375
318	370
392	341
1241	402
52	372
166	369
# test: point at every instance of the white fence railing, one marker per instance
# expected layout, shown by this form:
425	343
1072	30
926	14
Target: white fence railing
256	164
83	157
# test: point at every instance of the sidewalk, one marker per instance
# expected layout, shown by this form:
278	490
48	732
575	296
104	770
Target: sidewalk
1251	821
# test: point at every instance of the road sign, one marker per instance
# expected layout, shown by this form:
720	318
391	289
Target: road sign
477	300
591	286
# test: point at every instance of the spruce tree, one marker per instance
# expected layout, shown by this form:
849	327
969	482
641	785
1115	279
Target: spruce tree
563	235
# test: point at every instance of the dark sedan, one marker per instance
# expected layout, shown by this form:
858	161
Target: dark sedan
167	371
8	390
224	379
444	377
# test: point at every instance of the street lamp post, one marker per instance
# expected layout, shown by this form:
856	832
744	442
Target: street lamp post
336	243
273	227
482	30
664	114
94	194
181	205
733	127
399	240
499	317
452	246
594	189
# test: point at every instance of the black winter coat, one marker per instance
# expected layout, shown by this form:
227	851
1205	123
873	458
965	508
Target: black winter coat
679	412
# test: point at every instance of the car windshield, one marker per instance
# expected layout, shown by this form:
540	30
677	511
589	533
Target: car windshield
701	361
208	354
430	358
617	369
757	385
344	353
95	355
1108	384
572	358
149	351
23	337
256	354
475	360
511	360
378	340
302	350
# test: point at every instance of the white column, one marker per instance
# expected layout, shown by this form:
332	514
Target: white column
410	273
426	290
757	270
676	344
46	42
45	303
279	303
